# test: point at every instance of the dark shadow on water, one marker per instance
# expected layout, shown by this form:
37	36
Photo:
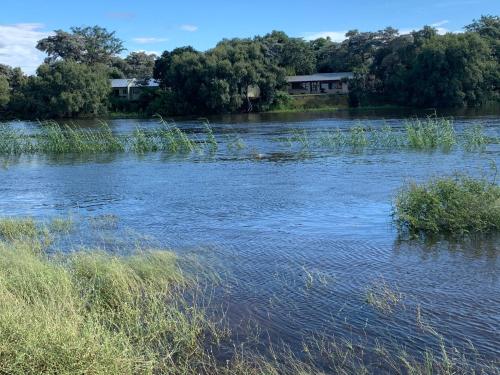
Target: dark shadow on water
474	246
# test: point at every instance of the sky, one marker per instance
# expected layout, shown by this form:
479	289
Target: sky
158	25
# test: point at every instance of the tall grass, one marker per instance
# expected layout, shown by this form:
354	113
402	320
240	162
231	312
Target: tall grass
451	205
93	313
90	312
52	138
431	133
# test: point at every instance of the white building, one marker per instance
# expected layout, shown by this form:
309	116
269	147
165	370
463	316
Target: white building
319	83
131	88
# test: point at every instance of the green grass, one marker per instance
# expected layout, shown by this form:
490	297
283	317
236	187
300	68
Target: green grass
54	139
428	134
451	205
12	229
90	312
93	313
383	297
61	225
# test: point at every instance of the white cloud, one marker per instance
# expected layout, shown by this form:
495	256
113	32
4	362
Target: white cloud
157	53
436	25
190	28
18	45
440	23
149	40
335	36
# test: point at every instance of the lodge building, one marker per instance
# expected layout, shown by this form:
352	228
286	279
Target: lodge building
319	83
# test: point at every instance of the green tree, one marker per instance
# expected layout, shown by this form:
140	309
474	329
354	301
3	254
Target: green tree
139	65
451	71
4	92
488	27
66	89
218	80
89	45
293	54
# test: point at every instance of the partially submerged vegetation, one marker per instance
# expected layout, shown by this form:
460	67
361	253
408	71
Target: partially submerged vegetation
452	205
89	312
431	133
52	138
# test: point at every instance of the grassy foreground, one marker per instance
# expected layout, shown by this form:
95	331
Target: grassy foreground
90	312
452	205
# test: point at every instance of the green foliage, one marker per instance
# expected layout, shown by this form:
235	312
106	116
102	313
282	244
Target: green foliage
4	92
474	138
88	45
65	89
452	71
90	312
217	81
422	69
453	206
430	134
139	65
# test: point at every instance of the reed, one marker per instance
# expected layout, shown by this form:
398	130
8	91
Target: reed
52	138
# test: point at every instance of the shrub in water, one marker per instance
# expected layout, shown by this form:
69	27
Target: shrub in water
453	205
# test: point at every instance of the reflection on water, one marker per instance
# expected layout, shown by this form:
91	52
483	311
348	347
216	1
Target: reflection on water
298	235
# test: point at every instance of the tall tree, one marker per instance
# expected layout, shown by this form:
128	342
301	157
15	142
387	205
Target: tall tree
139	65
66	89
89	45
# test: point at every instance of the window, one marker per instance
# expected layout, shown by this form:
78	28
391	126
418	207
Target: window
298	86
335	85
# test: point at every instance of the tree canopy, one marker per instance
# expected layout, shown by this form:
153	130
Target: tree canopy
421	68
89	45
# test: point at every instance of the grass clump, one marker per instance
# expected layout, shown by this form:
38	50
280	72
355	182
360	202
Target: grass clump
93	313
474	138
431	133
61	225
12	229
382	297
453	205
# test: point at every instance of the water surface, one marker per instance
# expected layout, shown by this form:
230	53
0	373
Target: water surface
300	236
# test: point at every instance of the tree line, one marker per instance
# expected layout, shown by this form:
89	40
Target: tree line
422	69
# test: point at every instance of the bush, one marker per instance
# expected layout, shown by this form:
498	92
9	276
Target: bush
453	205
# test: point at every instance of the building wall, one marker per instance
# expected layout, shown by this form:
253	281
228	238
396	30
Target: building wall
331	87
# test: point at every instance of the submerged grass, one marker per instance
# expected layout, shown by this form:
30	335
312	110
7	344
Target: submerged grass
90	312
12	229
432	133
452	205
52	138
383	297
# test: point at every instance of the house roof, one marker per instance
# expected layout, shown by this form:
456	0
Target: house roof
320	77
119	83
132	82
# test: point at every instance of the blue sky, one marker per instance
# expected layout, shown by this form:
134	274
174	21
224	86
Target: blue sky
156	25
